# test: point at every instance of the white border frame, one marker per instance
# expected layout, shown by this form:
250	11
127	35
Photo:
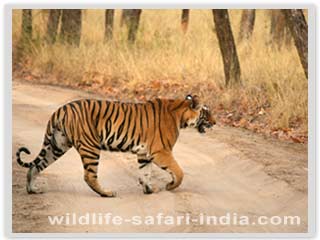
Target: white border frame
172	5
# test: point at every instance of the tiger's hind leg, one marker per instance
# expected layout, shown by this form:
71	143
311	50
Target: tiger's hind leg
90	159
54	147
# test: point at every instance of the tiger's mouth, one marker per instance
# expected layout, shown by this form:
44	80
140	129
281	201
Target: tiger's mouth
184	125
203	125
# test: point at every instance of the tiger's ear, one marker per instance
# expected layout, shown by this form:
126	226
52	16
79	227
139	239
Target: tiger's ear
189	97
195	101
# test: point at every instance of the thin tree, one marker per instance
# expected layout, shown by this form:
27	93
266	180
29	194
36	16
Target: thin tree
227	46
52	25
109	19
71	26
279	31
131	18
26	26
299	30
185	20
247	24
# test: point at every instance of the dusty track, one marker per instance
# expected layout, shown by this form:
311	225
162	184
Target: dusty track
226	170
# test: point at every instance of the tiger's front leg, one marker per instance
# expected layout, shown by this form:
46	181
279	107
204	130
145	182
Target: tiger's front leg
164	159
145	172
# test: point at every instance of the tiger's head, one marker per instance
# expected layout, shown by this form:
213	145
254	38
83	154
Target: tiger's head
196	115
205	120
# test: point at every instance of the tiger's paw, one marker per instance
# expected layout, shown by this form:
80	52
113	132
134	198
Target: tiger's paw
109	194
170	186
34	190
147	189
40	186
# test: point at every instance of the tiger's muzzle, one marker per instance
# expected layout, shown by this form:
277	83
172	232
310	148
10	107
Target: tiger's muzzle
205	121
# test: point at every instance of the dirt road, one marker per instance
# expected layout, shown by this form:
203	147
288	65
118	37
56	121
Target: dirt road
226	171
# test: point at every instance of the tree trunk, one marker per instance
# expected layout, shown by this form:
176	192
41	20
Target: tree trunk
185	20
227	46
23	45
26	26
247	24
52	25
280	34
132	19
299	30
109	19
124	17
71	26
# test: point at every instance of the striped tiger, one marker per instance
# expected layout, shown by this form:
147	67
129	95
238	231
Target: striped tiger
149	129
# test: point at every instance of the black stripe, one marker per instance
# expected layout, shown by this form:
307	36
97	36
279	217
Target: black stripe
130	146
39	168
169	143
113	106
154	114
98	115
144	160
46	140
140	118
160	132
138	140
93	110
55	149
133	130
154	120
108	124
58	112
117	113
52	120
129	121
86	165
133	122
89	151
110	140
108	128
107	108
64	119
42	152
89	103
89	154
90	170
146	112
120	129
37	161
124	140
143	165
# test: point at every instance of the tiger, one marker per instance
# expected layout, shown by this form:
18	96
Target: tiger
148	129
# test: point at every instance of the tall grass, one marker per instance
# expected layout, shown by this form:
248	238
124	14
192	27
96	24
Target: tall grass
163	53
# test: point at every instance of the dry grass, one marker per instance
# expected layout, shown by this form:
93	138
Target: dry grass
163	53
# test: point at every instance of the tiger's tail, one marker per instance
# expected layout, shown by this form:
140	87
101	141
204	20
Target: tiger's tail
21	163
